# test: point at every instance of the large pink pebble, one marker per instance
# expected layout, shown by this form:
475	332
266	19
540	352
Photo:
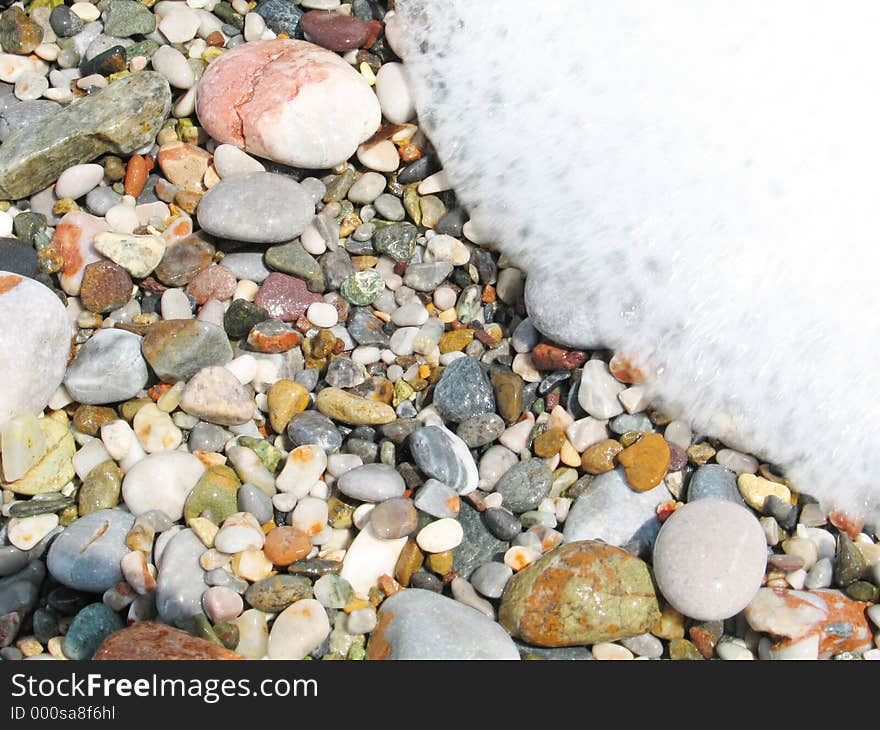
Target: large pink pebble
289	101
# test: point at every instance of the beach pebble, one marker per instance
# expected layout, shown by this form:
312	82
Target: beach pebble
161	481
524	485
437	537
368	558
35	342
598	391
420	624
78	180
393	92
372	483
24	533
239	532
442	455
293	118
298	630
181	583
709	559
108	368
215	395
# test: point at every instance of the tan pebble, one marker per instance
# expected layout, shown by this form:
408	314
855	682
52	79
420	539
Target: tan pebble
700	454
55	646
599	458
213	558
549	443
353	410
645	462
29	646
205	530
755	490
284	545
608	651
670	625
252	565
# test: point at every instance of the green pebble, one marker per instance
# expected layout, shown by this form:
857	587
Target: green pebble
200	627
126	18
862	590
268	454
145	48
339	186
40	504
292	258
91	626
215	494
363	287
26	225
397	241
357	652
241	316
228	634
100	489
278	592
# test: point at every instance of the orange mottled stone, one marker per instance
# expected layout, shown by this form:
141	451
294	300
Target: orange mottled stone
645	462
149	641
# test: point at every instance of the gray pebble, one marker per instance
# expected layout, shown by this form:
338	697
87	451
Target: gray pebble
254	500
525	484
312	427
436	499
713	481
490	579
208	437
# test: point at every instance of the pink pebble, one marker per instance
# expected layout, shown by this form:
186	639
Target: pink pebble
221	604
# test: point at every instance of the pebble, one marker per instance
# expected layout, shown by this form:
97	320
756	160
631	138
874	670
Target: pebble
215	395
463	391
25	533
239	532
162	481
368	558
709	559
598	391
437	537
491	578
646	462
524	485
304	466
155	430
229	160
335	31
276	593
90	627
600	593
755	490
426	277
108	368
285	297
78	180
441	455
178	349
372	483
713	481
298	630
312	427
352	409
221	604
322	314
609	510
366	188
36	343
87	554
214	496
314	132
421	624
280	208
181	581
809	623
394	518
438	500
285	545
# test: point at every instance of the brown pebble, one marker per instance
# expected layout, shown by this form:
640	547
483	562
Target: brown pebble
549	443
599	458
215	282
285	545
136	174
146	641
645	462
89	419
700	454
105	286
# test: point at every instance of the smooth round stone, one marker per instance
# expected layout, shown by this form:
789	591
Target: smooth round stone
100	200
214	495
490	578
381	156
713	481
11	560
397	240
207	437
502	524
239	532
181	580
221	604
610	511
298	630
393	518
343	373
278	592
312	427
464	391
173	65
494	463
440	536
525	484
709	559
35	342
363	287
480	430
180	25
372	483
394	94
89	628
366	188
162	481
333	592
258	207
440	454
247	266
215	395
426	277
24	533
65	22
322	314
305	465
87	554
78	180
108	368
178	349
421	624
254	500
294	116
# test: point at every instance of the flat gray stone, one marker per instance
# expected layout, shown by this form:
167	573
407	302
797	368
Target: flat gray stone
612	512
86	555
108	368
258	207
372	483
420	624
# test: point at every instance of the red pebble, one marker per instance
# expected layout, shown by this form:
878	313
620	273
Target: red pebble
285	297
551	357
215	282
678	457
337	32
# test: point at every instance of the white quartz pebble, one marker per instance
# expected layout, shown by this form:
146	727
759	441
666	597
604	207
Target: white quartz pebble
304	466
180	25
394	94
175	305
239	532
298	630
173	65
441	535
25	532
608	651
381	156
230	160
322	314
221	604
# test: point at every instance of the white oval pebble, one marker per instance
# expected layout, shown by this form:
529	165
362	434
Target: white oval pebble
221	604
78	180
381	156
608	651
230	160
175	304
310	516
298	630
322	314
173	65
239	532
304	466
394	94
86	11
437	537
367	188
180	25
155	430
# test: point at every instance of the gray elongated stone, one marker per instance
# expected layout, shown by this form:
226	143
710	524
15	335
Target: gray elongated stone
420	624
464	391
251	498
525	484
372	483
181	578
490	579
259	207
436	499
440	454
477	545
612	512
25	113
713	481
86	555
120	119
108	368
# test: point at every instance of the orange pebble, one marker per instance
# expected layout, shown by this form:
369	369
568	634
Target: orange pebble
136	174
284	545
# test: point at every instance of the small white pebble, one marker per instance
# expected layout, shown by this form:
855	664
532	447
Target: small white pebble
246	289
322	314
86	11
175	305
30	86
5	224
608	651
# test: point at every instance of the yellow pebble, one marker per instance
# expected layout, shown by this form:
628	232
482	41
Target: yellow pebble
356	604
447	316
29	646
424	371
55	646
755	490
205	530
367	73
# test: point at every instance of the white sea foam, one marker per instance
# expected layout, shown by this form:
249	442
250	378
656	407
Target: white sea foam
696	182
